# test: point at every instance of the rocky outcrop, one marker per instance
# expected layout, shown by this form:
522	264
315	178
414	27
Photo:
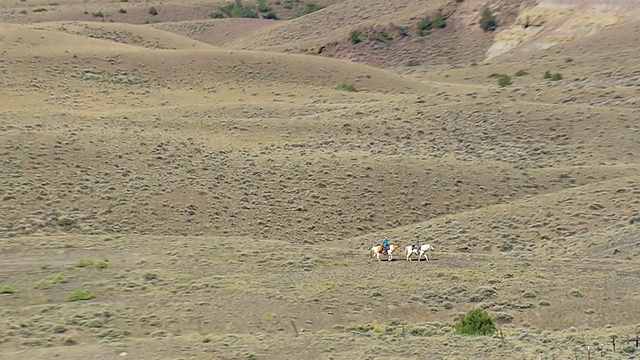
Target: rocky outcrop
551	22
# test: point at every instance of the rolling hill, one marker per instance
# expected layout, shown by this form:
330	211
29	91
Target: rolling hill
210	187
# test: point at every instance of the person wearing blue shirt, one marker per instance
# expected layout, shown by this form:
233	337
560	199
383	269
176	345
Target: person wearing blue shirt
385	245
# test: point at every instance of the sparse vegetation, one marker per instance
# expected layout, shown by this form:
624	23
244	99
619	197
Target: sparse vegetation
66	222
424	26
384	36
237	193
440	22
476	322
217	14
122	11
152	11
347	87
576	293
503	79
79	294
488	20
6	289
309	8
401	30
102	264
239	10
354	37
39	10
552	76
84	262
263	7
54	279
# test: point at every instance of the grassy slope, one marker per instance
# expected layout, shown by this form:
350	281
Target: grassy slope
289	181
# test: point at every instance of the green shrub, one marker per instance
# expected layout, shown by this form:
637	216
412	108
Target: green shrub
58	279
263	7
475	322
424	26
122	11
520	73
102	264
440	21
488	21
347	87
152	11
66	222
413	63
552	77
239	10
79	295
84	262
6	289
504	80
354	37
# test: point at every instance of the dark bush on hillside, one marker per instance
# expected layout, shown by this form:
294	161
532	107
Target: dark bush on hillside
355	37
488	21
440	21
424	26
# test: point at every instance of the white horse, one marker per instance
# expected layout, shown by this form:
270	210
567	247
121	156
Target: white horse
409	251
377	250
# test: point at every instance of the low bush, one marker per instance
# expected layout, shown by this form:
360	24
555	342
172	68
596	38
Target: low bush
475	322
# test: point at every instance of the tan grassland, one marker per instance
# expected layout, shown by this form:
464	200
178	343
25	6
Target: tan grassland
215	185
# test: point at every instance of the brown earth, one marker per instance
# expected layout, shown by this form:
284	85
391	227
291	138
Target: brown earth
217	186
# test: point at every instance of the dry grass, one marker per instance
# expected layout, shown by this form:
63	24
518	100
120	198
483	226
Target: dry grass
206	197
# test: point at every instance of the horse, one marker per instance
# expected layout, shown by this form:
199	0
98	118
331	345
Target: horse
377	250
409	251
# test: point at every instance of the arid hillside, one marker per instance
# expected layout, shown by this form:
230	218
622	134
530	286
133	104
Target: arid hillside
188	184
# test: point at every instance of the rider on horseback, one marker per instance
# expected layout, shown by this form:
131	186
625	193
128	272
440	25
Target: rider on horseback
416	247
385	245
